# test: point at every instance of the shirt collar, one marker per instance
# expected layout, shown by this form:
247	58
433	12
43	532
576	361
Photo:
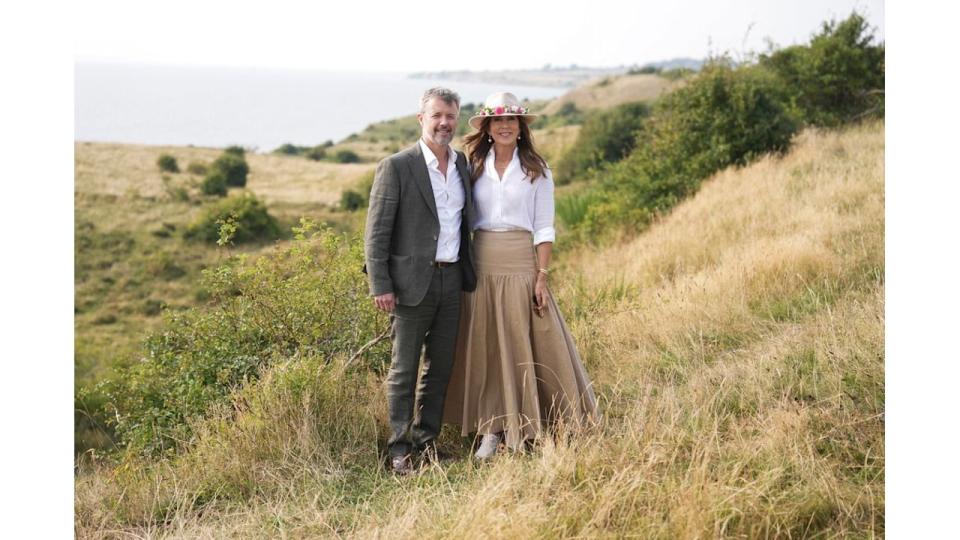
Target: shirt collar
431	157
491	156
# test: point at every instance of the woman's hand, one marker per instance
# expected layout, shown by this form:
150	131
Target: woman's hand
540	294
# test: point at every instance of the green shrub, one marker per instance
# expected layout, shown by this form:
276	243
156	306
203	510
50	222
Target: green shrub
572	209
167	163
568	114
215	183
346	156
245	212
837	77
196	167
235	150
152	307
234	168
676	74
107	318
605	137
317	153
645	70
351	201
162	265
308	299
722	117
289	149
355	199
164	231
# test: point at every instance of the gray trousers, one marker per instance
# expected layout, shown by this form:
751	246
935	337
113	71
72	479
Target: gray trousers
416	410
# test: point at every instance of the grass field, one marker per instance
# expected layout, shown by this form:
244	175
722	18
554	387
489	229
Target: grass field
130	260
737	348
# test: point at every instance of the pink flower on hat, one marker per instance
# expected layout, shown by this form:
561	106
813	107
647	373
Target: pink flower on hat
499	110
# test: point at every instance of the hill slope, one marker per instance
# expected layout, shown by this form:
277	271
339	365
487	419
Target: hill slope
609	92
737	350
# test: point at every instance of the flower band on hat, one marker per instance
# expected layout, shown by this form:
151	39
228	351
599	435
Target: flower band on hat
500	104
495	111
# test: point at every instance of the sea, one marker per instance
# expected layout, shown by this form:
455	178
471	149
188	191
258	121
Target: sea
259	109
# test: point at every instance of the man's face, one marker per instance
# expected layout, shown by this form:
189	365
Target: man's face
438	121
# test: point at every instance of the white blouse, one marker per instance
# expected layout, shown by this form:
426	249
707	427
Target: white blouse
514	203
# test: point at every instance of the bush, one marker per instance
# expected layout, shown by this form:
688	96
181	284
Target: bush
346	156
215	183
351	201
645	70
308	299
234	168
676	74
317	153
288	149
722	117
195	167
245	212
605	137
568	114
355	199
162	265
235	150
167	163
838	77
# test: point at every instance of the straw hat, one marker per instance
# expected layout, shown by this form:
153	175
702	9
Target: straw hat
500	104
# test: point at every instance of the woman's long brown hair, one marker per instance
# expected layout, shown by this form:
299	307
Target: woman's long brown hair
477	146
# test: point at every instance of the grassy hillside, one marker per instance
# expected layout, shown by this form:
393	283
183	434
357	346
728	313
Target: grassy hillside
737	351
607	92
131	261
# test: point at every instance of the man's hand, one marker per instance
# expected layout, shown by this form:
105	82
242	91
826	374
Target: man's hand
385	302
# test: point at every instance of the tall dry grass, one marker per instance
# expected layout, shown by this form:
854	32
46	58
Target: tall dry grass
123	169
737	350
607	92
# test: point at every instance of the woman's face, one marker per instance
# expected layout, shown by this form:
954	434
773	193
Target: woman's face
504	129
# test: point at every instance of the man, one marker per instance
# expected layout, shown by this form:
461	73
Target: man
418	259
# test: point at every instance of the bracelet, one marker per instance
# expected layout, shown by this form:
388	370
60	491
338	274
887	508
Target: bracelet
544	271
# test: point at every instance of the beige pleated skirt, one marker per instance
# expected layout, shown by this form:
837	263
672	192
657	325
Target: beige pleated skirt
514	372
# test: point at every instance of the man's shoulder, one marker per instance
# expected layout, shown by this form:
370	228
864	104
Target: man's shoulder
404	154
398	160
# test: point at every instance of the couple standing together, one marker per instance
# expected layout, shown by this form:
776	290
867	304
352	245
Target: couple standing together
457	250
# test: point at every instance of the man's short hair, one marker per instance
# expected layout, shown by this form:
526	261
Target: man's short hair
448	96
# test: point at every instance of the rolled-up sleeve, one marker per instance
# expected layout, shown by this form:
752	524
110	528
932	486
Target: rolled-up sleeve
543	209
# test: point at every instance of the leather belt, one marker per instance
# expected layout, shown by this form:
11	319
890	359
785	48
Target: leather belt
442	264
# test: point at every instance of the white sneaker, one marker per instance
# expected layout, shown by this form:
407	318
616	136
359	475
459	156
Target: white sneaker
488	446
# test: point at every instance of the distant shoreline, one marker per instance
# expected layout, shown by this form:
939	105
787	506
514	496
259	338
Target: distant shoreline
552	77
549	76
262	109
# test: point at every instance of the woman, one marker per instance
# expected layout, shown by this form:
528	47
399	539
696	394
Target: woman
516	368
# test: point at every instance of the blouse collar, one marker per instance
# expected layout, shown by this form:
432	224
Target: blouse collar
490	167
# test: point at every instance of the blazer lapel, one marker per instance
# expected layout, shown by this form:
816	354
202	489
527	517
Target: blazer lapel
421	177
464	172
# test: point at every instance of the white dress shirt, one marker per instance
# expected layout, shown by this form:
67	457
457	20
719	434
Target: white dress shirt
450	198
514	203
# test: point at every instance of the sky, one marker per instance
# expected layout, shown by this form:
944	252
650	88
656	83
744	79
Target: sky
362	35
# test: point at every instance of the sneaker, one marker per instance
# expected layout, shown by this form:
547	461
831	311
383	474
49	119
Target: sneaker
488	446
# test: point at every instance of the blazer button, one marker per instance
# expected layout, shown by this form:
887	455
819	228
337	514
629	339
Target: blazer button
434	237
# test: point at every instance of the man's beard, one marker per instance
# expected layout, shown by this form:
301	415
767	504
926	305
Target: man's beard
442	137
